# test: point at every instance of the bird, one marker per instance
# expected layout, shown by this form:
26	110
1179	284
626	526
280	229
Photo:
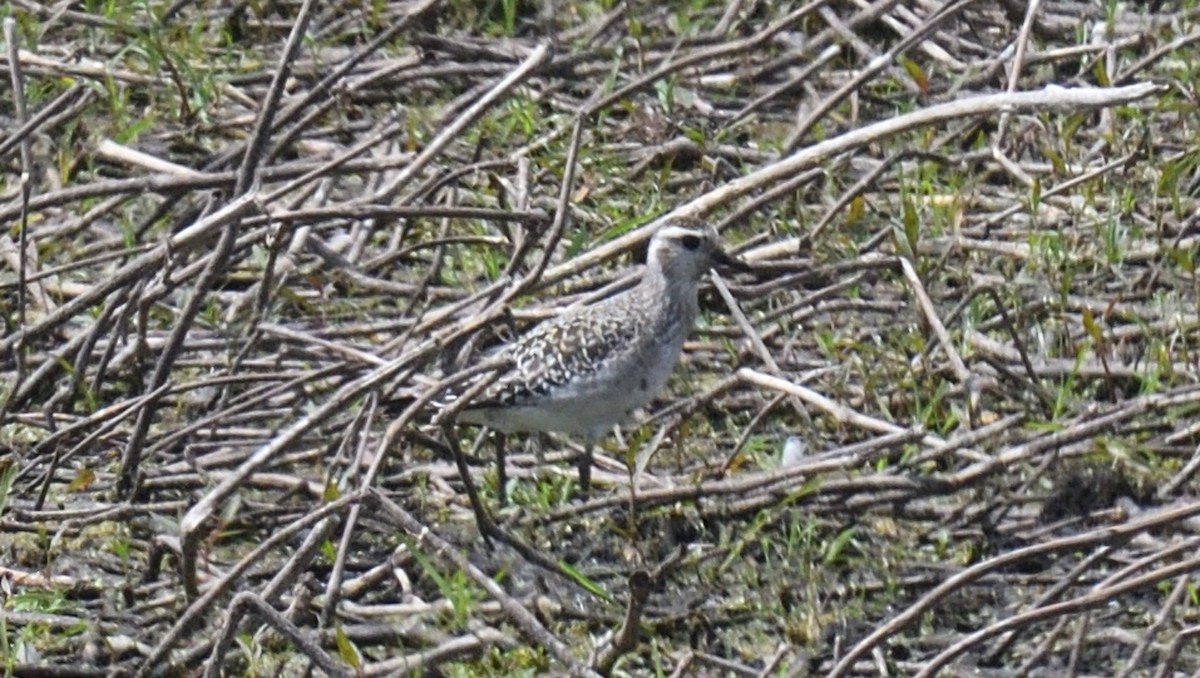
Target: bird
586	370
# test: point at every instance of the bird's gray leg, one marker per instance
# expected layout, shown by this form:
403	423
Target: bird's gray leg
585	469
501	470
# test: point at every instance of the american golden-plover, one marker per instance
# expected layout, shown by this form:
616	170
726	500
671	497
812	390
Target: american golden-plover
586	370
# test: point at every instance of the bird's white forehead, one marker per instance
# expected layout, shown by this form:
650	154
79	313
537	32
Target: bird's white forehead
671	232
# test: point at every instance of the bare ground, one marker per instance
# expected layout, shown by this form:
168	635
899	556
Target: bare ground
261	238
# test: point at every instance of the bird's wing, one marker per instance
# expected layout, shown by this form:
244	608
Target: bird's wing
554	353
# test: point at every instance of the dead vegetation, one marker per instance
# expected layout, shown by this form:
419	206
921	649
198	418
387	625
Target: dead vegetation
260	238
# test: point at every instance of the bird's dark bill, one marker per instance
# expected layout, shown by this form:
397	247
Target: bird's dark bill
725	261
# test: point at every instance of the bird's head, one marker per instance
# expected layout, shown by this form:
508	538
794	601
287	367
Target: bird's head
687	248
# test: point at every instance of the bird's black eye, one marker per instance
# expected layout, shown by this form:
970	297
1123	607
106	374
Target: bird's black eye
691	242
